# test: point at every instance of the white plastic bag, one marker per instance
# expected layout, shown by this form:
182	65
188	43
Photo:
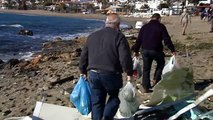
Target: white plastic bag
137	67
136	63
129	103
172	64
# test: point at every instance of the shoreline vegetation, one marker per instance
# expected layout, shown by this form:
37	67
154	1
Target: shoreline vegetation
53	72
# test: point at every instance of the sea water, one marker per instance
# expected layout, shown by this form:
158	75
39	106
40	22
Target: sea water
44	28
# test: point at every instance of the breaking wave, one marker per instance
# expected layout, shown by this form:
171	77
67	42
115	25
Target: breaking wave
13	25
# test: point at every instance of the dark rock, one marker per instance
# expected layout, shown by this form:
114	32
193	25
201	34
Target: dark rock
58	99
26	32
32	74
23	110
78	50
57	39
52	58
13	62
49	95
61	81
1	61
7	112
74	63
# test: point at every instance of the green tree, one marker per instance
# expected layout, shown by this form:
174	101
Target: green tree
22	5
163	5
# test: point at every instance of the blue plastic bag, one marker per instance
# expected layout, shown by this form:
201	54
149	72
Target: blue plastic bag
80	96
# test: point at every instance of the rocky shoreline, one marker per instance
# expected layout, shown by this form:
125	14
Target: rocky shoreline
50	74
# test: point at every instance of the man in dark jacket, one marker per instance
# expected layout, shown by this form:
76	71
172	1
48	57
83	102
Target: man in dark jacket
211	20
150	40
105	56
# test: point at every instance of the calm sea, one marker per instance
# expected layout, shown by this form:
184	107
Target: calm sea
45	28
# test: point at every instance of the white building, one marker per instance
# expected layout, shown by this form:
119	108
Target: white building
2	6
138	5
206	1
154	3
123	1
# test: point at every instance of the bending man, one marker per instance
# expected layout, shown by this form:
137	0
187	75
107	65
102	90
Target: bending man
150	40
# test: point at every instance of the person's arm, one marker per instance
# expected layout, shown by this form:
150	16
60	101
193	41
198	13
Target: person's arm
84	60
138	43
125	57
181	18
167	40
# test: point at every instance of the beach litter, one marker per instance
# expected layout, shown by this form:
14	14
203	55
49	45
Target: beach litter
173	98
129	100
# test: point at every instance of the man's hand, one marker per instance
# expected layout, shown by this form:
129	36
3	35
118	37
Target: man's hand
84	75
129	78
135	54
174	53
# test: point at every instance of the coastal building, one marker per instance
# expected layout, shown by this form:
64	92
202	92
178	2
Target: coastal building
154	3
3	4
139	4
205	1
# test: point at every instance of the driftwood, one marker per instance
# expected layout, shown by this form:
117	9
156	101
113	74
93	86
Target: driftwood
61	81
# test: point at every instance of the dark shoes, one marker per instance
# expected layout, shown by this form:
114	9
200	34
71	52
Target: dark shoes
107	118
210	31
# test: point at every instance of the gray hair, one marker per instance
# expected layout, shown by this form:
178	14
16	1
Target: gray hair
113	23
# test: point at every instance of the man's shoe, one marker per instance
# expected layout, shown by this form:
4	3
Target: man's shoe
106	118
210	31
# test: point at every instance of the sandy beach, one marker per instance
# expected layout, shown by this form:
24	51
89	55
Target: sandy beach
22	83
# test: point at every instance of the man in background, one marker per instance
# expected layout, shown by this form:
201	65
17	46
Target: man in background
211	20
150	40
105	56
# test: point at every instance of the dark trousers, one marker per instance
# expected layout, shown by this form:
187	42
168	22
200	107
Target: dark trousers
148	57
211	24
101	85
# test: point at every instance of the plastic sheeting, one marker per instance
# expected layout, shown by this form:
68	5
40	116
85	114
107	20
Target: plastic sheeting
175	85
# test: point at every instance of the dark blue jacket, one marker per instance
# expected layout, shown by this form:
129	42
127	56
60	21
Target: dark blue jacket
151	36
107	50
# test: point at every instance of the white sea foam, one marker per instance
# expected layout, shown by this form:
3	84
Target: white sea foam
13	25
95	20
20	56
63	36
26	56
29	14
69	37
